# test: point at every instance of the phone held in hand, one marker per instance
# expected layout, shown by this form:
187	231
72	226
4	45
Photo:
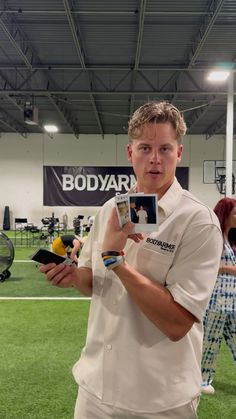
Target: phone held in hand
45	256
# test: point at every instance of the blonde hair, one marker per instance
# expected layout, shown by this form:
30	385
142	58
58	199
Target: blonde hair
156	112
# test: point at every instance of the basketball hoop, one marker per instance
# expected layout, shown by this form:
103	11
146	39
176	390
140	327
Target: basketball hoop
220	180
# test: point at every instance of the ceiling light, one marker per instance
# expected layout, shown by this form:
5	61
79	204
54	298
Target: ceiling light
220	75
51	128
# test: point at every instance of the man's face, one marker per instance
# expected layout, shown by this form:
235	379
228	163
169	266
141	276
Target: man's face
154	156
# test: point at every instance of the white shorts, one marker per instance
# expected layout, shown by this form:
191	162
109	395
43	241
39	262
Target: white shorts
90	407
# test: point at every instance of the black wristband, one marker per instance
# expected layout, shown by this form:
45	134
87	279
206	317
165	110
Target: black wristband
111	253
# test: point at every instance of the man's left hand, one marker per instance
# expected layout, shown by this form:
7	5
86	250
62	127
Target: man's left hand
115	237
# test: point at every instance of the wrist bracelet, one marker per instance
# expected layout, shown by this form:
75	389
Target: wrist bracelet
113	253
111	259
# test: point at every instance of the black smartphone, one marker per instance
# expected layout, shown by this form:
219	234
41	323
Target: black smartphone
45	256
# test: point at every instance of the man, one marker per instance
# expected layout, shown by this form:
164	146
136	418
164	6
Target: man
142	215
133	212
123	210
67	245
143	350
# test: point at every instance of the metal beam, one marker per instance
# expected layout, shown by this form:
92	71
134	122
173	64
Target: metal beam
77	76
80	54
14	122
45	92
121	80
140	73
12	38
197	116
21	109
4	80
229	136
15	103
140	33
74	33
94	68
216	126
97	115
199	113
204	30
193	81
11	123
47	77
110	12
138	51
65	114
172	79
30	76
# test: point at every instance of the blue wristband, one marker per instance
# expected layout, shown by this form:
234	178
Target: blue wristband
110	262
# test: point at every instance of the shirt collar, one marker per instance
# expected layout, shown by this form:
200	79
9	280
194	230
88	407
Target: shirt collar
167	203
169	200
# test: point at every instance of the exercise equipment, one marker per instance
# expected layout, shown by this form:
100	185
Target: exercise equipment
6	218
7	254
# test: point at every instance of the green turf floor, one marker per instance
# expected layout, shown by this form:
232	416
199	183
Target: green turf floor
27	281
222	405
41	340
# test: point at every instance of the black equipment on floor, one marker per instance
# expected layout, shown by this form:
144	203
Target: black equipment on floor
6	219
7	254
77	224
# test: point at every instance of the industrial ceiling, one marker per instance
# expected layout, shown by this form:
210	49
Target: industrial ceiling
87	65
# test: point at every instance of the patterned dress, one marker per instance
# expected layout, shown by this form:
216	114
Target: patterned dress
220	318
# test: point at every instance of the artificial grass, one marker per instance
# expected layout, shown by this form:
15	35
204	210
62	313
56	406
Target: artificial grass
27	281
40	342
221	405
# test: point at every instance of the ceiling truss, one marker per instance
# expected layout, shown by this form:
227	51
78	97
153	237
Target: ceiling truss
163	57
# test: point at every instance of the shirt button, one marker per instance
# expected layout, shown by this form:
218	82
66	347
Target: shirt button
109	347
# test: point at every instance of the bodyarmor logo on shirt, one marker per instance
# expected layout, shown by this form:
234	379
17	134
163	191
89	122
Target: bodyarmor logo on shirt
168	247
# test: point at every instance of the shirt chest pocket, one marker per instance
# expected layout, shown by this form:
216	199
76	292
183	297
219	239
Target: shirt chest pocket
153	264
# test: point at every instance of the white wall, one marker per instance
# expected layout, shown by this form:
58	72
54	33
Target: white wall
22	160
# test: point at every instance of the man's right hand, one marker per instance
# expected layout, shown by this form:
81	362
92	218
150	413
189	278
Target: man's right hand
65	276
61	275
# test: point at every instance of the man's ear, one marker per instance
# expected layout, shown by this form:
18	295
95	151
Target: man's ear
129	152
179	153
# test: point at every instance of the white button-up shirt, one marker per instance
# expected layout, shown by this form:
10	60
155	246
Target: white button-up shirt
127	361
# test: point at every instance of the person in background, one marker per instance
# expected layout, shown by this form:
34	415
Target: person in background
123	210
133	212
142	356
220	317
68	246
142	215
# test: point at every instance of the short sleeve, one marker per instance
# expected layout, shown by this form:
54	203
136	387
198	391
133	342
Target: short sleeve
193	274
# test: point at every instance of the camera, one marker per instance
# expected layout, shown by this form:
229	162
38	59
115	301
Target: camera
49	223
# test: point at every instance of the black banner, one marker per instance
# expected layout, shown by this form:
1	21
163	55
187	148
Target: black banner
90	186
